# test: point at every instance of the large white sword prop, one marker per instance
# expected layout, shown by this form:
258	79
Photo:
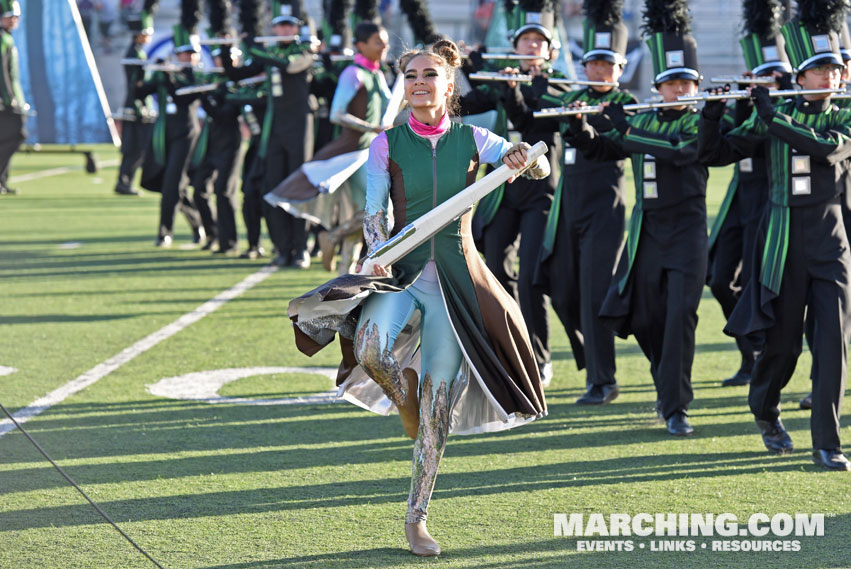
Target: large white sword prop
423	228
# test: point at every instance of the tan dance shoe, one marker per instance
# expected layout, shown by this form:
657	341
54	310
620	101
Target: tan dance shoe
410	412
420	540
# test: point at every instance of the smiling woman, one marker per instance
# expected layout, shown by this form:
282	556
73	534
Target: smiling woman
472	370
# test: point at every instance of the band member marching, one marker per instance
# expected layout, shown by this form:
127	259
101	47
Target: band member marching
802	262
287	135
584	228
733	234
218	155
317	191
137	115
656	290
520	211
473	367
175	130
13	107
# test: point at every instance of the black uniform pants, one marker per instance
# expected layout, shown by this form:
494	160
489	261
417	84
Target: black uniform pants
12	135
667	282
135	138
580	269
728	274
815	280
215	176
524	221
283	156
174	184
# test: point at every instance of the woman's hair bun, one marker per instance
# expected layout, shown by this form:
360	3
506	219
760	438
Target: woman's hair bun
447	50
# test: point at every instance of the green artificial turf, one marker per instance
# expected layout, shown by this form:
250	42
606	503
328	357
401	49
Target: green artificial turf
232	486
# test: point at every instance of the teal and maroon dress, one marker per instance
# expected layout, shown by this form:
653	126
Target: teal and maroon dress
499	385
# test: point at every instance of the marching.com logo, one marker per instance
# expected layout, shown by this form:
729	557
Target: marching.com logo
760	531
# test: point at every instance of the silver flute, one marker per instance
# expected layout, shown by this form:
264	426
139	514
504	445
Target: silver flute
743	80
743	94
510	57
192	89
524	78
170	67
594	109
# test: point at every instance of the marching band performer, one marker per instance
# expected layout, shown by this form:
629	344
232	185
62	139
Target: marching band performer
136	115
584	229
12	104
656	290
733	234
521	210
218	155
287	136
473	370
802	262
359	103
175	130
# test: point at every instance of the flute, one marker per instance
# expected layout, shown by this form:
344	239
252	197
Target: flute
523	78
510	57
743	80
170	67
192	89
278	39
594	109
220	41
742	94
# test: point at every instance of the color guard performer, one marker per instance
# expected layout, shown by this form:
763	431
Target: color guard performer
802	263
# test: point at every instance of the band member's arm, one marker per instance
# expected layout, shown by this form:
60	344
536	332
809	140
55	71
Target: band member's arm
679	147
593	145
292	63
832	145
715	148
251	68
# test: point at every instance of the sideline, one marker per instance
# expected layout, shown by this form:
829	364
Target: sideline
105	368
56	172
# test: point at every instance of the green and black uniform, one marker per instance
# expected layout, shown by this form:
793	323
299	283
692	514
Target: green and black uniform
12	105
216	164
733	234
583	234
137	115
512	218
802	263
286	140
656	289
174	135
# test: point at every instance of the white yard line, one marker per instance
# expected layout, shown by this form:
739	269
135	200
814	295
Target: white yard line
54	172
105	368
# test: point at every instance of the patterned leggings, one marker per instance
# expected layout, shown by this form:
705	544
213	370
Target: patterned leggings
382	319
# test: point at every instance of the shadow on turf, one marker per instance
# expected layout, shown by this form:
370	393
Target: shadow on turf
561	552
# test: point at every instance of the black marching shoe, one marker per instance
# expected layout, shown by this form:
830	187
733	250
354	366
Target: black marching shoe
198	235
163	242
126	191
678	424
300	261
739	378
253	253
599	394
831	459
4	191
281	260
807	402
775	437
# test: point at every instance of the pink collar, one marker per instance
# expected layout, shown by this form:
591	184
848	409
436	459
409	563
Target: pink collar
366	63
423	129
